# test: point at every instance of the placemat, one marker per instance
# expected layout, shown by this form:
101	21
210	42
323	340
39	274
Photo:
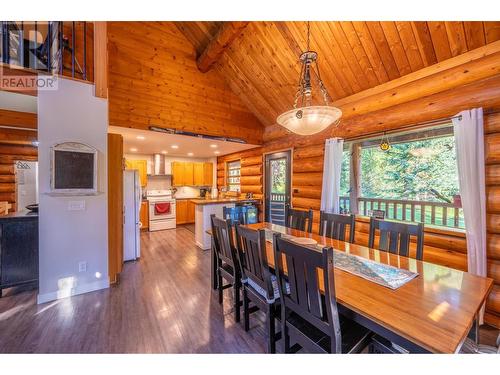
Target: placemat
382	274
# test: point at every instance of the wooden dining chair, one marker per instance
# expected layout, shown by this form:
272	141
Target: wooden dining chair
298	219
228	267
259	284
309	317
395	237
335	226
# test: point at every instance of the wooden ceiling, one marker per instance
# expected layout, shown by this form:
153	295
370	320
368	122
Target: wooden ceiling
154	81
261	65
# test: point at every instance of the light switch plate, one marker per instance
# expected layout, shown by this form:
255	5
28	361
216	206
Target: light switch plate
76	205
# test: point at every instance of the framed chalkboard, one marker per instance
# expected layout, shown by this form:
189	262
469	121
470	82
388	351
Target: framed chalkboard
73	168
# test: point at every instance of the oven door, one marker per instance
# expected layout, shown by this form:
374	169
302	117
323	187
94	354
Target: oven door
159	213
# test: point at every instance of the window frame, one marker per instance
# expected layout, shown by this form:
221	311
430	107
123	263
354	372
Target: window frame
229	176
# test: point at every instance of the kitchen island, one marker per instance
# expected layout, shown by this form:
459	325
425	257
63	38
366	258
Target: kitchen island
206	207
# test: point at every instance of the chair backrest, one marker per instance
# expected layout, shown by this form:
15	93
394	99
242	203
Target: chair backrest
298	219
251	246
237	213
395	237
222	233
335	226
298	266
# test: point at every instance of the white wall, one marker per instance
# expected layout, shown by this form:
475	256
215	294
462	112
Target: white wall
69	237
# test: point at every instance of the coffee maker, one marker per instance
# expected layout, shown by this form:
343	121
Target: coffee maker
203	192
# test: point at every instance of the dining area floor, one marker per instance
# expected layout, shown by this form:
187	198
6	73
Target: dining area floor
162	304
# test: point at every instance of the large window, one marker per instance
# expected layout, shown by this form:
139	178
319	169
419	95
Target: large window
416	179
233	176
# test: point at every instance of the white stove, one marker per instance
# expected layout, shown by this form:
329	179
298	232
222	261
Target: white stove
161	210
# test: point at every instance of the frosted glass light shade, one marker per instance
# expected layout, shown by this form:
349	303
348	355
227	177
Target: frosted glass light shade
313	119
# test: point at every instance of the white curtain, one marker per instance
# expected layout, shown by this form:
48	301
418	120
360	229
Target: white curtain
332	166
469	141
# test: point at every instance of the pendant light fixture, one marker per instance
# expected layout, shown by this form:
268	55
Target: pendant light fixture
306	118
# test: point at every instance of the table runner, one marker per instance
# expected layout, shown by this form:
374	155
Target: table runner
382	274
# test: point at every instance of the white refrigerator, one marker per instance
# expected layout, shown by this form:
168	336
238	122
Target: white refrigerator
131	209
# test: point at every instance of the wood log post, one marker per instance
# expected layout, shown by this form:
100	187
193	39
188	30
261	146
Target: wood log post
355	176
101	59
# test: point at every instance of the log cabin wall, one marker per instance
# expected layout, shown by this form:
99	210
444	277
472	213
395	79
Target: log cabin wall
492	156
444	246
15	144
154	81
251	178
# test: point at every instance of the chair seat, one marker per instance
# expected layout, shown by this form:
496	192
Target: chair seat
352	333
263	292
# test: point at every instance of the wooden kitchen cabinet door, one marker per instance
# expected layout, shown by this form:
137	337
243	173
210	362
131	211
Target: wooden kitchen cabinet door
144	215
190	212
178	173
188	174
129	164
208	174
181	211
142	167
198	174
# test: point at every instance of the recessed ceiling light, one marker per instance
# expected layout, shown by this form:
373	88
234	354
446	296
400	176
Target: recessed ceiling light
133	149
164	152
213	146
216	152
175	147
190	154
141	137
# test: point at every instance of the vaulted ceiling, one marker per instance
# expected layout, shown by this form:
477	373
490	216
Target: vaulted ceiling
261	65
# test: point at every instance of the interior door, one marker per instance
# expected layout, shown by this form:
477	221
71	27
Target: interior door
277	186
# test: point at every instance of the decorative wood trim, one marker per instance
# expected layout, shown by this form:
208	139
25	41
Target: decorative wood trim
115	206
227	33
101	59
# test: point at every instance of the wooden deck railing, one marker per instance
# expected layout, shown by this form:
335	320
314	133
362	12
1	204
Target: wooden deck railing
435	213
277	208
55	47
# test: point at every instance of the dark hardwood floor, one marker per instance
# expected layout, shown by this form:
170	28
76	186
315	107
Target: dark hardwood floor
163	304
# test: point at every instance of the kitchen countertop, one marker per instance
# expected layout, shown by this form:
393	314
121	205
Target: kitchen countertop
202	201
19	215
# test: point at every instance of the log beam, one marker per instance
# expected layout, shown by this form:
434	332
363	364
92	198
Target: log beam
227	33
101	59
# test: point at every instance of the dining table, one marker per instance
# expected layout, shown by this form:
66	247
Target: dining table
434	312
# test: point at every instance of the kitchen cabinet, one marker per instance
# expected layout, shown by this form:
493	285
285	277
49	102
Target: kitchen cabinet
177	173
192	174
18	250
181	211
190	212
144	215
141	166
199	175
189	174
184	211
208	174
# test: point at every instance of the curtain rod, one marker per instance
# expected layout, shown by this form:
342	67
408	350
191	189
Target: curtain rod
414	126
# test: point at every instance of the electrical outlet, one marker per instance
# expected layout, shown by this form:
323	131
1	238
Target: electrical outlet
82	266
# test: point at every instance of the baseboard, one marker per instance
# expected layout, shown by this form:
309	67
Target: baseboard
81	289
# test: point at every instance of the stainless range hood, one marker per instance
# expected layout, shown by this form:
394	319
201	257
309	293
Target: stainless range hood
158	165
